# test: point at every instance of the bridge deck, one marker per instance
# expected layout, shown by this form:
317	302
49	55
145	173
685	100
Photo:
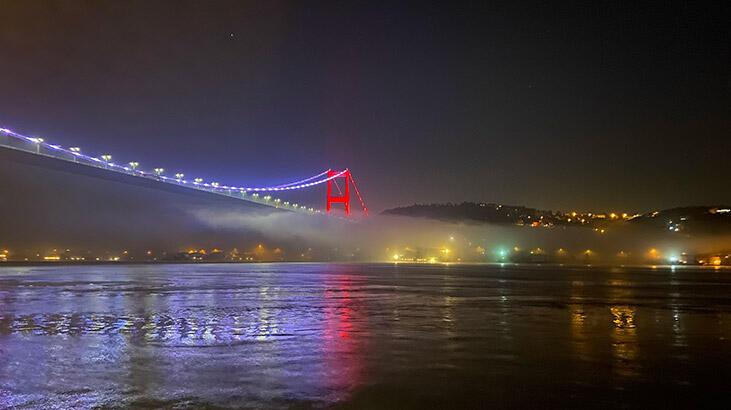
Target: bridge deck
46	155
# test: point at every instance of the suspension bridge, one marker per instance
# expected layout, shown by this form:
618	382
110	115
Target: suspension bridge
337	192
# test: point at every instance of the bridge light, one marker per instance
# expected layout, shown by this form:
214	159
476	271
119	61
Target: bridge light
106	158
179	176
159	171
215	184
38	142
198	181
267	198
76	151
134	165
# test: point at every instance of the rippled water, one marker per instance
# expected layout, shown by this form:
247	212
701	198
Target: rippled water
365	336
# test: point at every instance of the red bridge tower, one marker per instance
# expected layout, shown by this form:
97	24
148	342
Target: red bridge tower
343	197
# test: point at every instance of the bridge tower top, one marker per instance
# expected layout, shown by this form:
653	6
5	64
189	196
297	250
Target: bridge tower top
342	197
343	194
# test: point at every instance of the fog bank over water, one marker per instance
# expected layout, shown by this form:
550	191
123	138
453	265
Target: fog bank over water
382	237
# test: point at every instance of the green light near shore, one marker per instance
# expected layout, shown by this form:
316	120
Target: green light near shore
502	253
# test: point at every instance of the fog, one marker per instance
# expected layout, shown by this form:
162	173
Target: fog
380	237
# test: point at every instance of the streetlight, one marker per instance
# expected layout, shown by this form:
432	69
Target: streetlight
38	142
134	165
76	151
215	184
179	176
159	171
198	181
106	158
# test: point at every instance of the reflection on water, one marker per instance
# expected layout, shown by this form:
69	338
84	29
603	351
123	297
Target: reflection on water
579	338
624	340
277	336
343	338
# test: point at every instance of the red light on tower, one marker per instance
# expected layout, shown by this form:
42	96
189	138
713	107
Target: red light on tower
343	197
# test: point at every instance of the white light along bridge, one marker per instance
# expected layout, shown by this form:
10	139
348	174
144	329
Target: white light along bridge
258	194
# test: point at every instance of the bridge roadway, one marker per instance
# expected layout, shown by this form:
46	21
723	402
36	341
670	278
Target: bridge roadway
53	157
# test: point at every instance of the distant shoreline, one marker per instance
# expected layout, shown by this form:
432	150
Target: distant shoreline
386	262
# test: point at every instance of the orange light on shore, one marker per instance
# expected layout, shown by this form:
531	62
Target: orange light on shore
653	253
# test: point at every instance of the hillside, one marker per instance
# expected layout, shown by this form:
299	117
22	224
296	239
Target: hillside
692	219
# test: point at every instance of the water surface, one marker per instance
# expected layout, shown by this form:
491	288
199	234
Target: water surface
363	336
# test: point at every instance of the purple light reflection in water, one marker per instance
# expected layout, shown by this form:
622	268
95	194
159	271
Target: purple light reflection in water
137	336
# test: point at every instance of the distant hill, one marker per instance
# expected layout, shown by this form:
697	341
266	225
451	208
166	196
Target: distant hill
693	219
689	219
469	211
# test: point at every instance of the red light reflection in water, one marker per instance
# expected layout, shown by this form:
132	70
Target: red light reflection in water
345	333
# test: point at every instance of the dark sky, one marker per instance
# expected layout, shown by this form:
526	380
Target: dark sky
546	104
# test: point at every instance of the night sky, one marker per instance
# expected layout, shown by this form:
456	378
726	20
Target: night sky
547	104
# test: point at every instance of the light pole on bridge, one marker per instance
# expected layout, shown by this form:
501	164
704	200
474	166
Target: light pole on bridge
38	142
75	151
107	159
